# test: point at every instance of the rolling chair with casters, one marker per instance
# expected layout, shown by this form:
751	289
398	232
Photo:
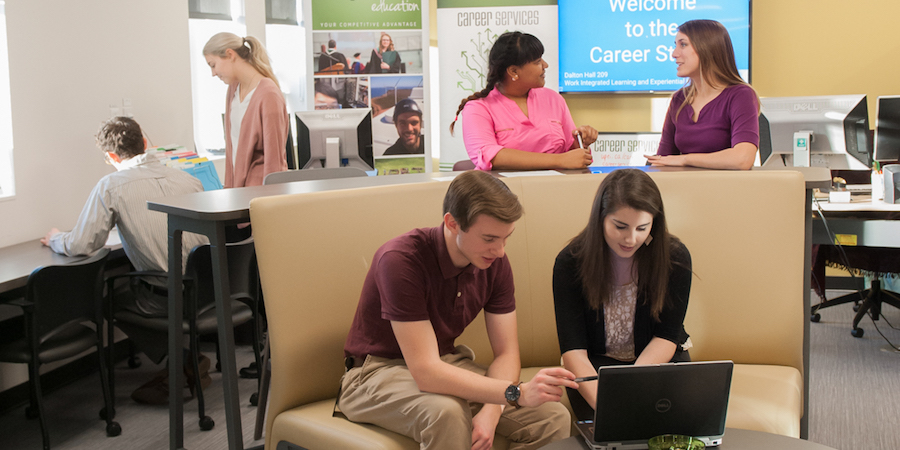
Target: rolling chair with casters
200	312
872	259
58	301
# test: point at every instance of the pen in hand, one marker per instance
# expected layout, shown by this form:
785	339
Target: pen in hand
580	142
583	379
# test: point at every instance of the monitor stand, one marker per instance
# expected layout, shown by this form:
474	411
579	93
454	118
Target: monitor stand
332	152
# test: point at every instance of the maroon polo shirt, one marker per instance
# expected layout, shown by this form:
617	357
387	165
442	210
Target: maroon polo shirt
412	278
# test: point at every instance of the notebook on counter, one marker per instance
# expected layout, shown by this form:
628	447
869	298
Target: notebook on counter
636	403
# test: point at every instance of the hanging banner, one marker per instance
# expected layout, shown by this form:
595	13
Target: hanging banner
466	31
371	54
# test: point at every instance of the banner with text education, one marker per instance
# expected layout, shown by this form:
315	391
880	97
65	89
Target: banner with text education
371	54
626	45
466	31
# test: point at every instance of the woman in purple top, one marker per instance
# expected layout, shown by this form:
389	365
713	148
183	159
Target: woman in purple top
516	123
713	121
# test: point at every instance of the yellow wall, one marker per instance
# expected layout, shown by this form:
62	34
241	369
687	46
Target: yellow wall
799	47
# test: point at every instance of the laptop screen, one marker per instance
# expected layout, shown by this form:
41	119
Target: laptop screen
635	403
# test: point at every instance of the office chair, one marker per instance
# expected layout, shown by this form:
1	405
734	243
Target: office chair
463	165
261	397
200	312
58	301
871	259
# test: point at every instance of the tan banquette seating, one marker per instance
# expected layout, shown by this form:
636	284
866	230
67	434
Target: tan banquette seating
745	232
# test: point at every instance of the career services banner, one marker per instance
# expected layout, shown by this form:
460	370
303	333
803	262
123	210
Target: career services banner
624	149
369	54
466	31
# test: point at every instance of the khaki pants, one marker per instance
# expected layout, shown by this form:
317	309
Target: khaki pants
382	392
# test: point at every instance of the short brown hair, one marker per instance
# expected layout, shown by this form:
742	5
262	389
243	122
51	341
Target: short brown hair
476	192
122	136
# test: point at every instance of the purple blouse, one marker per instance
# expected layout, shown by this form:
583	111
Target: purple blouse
727	120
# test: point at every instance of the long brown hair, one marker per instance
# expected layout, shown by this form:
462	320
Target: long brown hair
512	48
631	188
712	43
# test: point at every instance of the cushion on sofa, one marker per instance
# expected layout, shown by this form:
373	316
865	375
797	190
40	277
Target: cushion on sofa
766	398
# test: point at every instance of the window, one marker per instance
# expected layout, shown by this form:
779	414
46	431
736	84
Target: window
209	17
286	44
7	181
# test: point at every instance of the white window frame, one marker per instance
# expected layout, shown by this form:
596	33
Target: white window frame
7	170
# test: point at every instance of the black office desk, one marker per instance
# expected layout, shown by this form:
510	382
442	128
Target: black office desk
19	260
210	212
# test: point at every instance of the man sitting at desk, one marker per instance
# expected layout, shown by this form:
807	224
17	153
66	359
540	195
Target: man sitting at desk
422	290
120	199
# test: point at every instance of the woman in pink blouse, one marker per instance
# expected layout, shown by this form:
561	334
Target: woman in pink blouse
516	123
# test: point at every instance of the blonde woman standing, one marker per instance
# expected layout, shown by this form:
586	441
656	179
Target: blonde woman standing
256	119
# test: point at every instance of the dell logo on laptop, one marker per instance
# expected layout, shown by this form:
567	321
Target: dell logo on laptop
806	107
332	115
663	405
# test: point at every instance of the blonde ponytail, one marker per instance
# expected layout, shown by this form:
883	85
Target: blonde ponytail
250	49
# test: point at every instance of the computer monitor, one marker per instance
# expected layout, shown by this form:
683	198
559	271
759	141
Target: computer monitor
887	128
335	138
839	127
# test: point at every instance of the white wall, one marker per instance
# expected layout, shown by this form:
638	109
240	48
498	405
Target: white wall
69	61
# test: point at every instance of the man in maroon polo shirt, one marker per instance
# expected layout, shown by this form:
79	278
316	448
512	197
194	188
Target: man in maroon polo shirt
405	373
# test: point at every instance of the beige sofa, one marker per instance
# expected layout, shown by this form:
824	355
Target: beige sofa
744	231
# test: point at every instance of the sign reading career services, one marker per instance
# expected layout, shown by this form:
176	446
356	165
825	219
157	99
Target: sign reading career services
467	29
626	45
624	149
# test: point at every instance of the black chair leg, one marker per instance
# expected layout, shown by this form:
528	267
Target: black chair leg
112	428
109	410
31	411
35	381
218	355
206	422
265	371
134	361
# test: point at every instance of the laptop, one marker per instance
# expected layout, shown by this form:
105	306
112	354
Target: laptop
636	403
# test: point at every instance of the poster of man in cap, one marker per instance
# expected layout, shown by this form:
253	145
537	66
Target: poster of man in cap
408	122
398	119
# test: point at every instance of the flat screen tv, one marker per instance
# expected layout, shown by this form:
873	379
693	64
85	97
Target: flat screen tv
626	45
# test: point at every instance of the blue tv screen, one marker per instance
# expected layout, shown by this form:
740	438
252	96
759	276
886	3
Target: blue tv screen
626	45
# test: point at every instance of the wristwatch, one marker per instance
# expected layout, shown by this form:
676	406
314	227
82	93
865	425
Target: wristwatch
513	393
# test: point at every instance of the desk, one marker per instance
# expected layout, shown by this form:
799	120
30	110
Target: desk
19	260
734	439
867	224
875	224
209	213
